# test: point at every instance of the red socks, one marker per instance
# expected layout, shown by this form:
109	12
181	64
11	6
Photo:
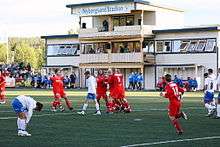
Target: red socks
56	104
177	125
68	104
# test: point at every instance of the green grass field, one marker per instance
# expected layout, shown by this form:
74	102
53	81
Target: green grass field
148	123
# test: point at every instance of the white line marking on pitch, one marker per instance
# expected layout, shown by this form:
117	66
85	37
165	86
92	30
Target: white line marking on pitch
172	141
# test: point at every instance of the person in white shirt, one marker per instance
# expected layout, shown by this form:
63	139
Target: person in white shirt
209	88
91	96
24	106
218	101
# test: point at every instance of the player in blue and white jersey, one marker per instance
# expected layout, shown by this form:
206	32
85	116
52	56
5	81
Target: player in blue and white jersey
24	106
209	88
91	96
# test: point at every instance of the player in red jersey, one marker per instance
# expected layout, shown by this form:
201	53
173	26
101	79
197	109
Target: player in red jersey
173	92
102	88
58	90
119	91
2	88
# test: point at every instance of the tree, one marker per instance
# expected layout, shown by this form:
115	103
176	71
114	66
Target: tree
3	53
28	50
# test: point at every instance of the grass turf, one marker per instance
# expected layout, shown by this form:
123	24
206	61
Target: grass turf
148	123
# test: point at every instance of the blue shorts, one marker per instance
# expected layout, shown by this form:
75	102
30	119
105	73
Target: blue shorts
91	96
17	106
208	97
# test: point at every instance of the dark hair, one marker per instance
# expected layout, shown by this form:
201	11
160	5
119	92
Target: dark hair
56	71
206	75
210	70
168	77
39	106
87	73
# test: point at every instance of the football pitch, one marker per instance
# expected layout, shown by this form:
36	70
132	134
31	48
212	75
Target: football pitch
147	125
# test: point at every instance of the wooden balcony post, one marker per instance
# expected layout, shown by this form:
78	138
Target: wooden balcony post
110	23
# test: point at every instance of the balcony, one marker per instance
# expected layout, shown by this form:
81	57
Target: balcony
126	57
149	58
94	58
112	58
119	31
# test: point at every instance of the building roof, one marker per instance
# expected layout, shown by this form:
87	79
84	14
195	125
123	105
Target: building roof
60	36
188	29
107	2
121	1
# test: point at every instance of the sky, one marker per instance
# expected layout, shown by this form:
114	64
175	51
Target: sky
30	18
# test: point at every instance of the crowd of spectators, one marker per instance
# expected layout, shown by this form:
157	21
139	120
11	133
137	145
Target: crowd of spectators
136	81
24	76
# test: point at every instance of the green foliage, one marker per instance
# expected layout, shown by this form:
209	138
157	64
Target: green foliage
27	50
3	53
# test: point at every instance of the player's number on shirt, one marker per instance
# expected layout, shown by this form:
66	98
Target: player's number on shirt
119	80
176	92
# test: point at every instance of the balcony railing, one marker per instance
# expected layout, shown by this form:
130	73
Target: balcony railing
127	57
112	58
94	58
117	32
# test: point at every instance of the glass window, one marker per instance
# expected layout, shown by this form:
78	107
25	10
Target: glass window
192	46
167	46
123	21
201	46
176	45
160	46
184	46
116	21
137	46
130	20
56	50
210	45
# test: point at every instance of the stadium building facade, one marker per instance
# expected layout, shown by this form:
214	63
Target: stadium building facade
135	35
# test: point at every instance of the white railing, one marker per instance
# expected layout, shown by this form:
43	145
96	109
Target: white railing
118	31
112	58
126	57
94	58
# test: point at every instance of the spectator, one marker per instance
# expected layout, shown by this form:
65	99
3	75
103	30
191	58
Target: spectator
91	51
178	81
130	80
73	80
140	81
121	49
105	25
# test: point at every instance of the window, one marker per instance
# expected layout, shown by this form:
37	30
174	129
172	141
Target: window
184	46
192	46
130	20
123	21
116	21
167	46
176	45
160	45
59	50
201	46
210	45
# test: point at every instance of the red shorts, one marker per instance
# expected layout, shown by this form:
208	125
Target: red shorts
174	109
101	95
59	94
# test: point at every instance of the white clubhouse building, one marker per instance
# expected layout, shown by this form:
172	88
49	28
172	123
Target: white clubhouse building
135	35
